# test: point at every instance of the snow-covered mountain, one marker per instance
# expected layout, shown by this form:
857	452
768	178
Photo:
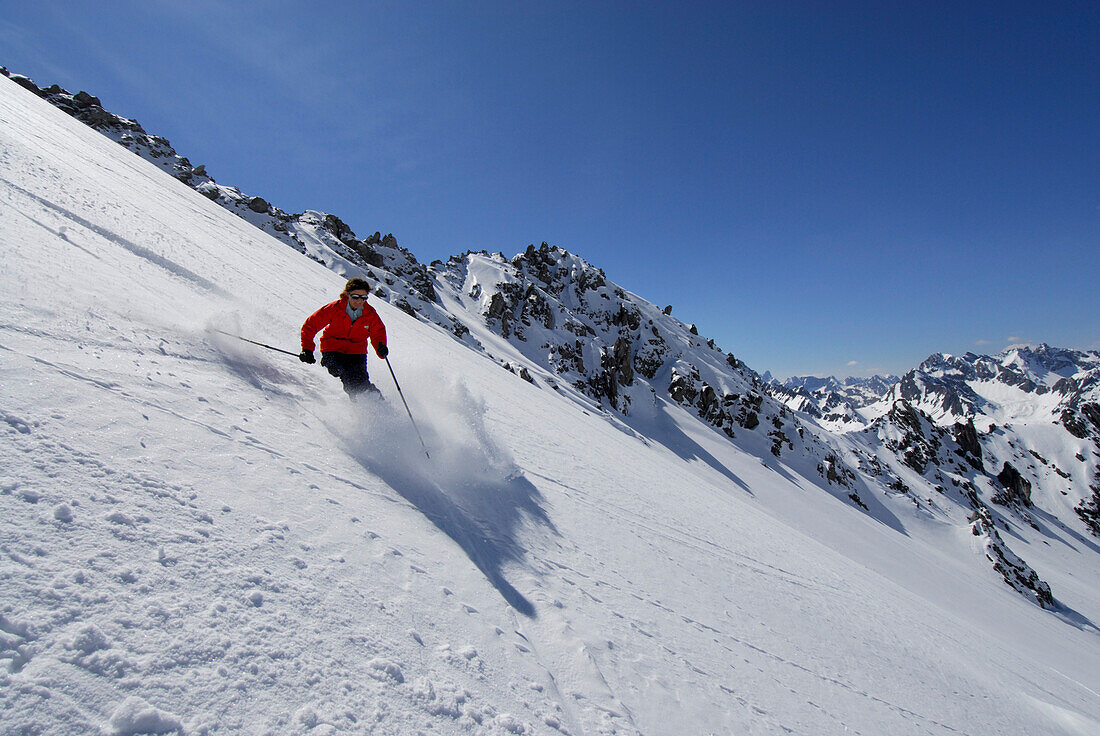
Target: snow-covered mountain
834	402
1033	411
622	528
1025	411
950	388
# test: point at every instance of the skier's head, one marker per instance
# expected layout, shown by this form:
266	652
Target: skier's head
357	286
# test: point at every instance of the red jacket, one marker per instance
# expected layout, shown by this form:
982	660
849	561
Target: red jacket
340	335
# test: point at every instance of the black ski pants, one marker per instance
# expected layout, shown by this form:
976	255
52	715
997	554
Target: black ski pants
350	369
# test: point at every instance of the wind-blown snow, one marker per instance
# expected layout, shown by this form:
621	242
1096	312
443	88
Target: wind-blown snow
201	536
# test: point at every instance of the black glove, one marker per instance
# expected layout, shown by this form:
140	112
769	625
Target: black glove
306	356
382	351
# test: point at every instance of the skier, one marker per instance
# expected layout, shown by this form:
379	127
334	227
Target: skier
348	323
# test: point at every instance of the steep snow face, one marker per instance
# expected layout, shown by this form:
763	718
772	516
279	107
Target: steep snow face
200	536
321	236
546	313
557	322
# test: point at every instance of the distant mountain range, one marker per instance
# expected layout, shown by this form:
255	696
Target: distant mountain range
989	442
833	401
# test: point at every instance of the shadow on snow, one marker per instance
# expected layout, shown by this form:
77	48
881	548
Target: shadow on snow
470	488
483	518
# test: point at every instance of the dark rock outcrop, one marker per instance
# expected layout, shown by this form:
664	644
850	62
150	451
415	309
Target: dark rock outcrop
1017	489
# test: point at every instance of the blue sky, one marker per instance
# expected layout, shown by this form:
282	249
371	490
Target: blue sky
822	187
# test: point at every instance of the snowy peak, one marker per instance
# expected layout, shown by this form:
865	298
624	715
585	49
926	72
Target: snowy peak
954	388
1046	359
948	387
1032	410
564	316
1033	369
1026	421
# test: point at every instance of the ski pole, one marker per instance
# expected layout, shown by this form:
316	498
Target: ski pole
402	395
262	345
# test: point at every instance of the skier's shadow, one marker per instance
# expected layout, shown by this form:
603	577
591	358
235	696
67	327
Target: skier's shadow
483	517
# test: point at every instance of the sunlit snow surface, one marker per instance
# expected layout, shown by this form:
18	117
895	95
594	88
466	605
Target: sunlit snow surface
198	535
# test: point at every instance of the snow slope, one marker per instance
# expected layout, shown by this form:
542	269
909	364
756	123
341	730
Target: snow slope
201	536
553	319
